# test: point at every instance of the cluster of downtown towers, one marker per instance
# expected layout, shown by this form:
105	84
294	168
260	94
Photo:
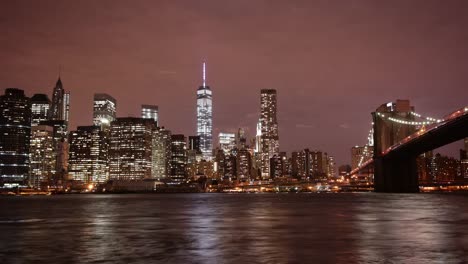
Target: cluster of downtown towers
37	148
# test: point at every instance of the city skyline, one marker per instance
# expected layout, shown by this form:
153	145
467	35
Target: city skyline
312	69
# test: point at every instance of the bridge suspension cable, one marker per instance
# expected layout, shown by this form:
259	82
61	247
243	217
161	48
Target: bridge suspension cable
410	122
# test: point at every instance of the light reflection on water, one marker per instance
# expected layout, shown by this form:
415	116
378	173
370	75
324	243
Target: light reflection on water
222	228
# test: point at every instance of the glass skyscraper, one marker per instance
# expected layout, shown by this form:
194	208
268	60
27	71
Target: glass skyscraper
15	131
205	118
269	129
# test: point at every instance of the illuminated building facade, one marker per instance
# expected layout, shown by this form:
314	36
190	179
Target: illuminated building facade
178	158
42	155
205	118
15	131
161	163
227	142
61	147
40	105
150	112
244	164
130	148
88	161
331	171
104	110
269	128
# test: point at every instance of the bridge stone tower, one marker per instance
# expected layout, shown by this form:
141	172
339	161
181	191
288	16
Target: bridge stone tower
393	174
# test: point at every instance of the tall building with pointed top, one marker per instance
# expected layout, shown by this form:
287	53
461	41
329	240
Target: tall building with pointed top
60	106
205	118
56	108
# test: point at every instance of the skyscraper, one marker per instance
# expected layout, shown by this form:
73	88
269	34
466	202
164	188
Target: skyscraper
130	152
104	109
227	142
88	161
42	155
178	158
40	105
15	131
161	163
150	111
205	118
60	106
269	129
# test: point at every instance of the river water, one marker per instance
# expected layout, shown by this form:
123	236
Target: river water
235	228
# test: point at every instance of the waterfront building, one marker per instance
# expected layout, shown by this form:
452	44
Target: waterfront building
161	152
269	129
205	117
42	155
15	131
88	161
130	148
61	147
40	105
150	112
104	110
178	158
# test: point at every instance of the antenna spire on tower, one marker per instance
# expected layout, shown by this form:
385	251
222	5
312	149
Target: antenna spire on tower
204	74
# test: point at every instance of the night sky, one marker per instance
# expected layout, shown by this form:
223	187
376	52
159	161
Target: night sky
332	62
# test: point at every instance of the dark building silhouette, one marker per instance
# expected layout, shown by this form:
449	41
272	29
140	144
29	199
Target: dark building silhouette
60	106
15	131
178	158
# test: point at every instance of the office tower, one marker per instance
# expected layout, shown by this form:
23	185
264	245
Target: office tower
331	167
104	110
61	147
56	108
244	164
130	148
178	158
205	118
360	154
269	128
151	112
40	105
194	143
230	167
42	155
88	161
220	163
161	163
227	142
194	155
258	137
15	131
276	166
241	139
463	164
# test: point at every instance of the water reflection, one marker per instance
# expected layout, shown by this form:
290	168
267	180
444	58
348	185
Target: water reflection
219	228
